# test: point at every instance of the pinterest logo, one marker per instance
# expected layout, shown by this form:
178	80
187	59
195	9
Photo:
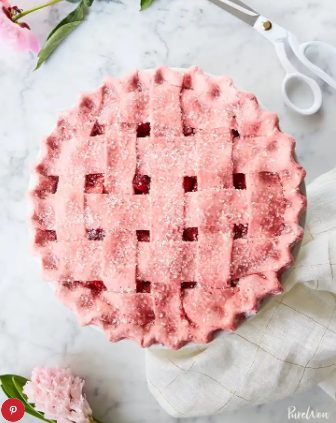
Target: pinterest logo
12	410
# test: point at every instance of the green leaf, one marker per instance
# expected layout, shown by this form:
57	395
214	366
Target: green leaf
19	382
62	30
7	385
88	3
146	3
6	393
76	15
54	41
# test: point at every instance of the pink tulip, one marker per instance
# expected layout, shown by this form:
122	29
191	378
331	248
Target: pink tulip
17	34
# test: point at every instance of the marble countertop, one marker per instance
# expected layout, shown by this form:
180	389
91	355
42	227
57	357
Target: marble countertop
34	328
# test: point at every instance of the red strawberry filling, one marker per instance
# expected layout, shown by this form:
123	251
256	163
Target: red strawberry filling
94	183
97	129
188	285
239	180
240	231
95	234
190	234
141	184
235	133
143	130
143	236
143	286
96	287
187	131
190	183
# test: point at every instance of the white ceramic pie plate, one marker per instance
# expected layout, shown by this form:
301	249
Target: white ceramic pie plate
33	182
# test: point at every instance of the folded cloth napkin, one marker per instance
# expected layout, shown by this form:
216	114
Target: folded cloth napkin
287	347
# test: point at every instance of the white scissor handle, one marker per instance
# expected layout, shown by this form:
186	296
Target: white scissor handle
312	85
283	41
292	75
314	68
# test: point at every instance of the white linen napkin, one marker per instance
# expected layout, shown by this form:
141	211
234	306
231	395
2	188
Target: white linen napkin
287	347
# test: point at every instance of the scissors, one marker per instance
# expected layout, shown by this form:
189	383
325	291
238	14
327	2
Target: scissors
286	46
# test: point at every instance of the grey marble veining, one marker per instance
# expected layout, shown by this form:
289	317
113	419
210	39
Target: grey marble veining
34	328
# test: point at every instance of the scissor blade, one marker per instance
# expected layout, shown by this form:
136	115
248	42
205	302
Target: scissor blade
239	10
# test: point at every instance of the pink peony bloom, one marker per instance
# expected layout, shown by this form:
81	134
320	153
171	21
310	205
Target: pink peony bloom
18	34
59	395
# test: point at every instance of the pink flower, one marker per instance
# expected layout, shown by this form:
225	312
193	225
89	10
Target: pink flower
59	395
18	34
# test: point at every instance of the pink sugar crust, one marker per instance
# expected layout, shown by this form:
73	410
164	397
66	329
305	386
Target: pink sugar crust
230	134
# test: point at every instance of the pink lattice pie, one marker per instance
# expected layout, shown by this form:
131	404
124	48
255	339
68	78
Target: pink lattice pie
166	206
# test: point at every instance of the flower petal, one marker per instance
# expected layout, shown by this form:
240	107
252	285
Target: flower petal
17	36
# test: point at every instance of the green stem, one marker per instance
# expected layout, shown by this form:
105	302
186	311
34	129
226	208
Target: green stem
42	6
